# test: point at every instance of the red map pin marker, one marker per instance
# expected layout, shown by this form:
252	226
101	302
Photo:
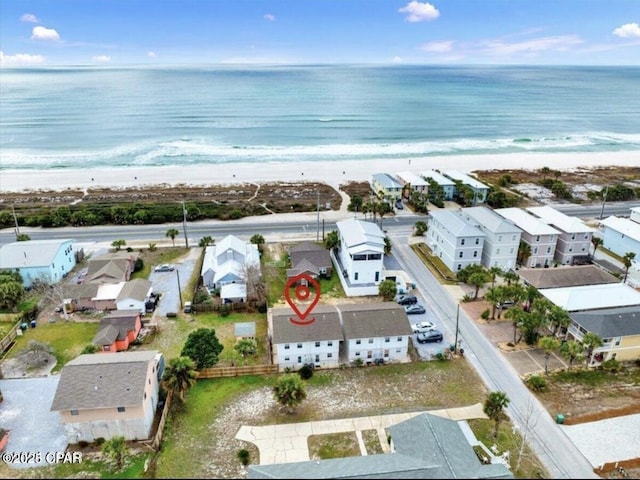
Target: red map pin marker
302	293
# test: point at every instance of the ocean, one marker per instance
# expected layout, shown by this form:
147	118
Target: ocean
55	118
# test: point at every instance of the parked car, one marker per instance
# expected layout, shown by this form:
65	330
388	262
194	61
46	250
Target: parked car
165	267
187	307
399	205
414	309
505	305
423	327
430	336
406	299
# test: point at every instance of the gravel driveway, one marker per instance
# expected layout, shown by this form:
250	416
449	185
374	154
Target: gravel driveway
167	283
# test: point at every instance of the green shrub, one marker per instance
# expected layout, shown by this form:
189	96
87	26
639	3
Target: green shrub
485	314
611	365
225	310
358	362
100	441
244	456
537	383
467	298
306	372
90	348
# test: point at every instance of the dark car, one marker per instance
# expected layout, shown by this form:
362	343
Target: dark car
414	309
407	299
430	336
399	205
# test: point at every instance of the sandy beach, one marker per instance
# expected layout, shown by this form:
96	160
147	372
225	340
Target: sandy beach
332	173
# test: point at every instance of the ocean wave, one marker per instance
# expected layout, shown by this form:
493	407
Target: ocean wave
189	151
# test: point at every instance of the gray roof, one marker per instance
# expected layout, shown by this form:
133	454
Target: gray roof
456	224
306	247
368	320
465	179
245	329
438	178
31	253
610	322
574	276
386	180
124	323
137	289
106	267
313	254
426	446
490	220
103	380
106	335
325	327
303	266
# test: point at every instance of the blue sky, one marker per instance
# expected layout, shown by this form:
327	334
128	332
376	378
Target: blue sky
177	32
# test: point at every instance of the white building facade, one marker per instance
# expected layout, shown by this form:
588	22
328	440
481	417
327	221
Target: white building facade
361	252
621	235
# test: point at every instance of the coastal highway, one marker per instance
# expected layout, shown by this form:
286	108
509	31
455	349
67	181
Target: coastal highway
269	225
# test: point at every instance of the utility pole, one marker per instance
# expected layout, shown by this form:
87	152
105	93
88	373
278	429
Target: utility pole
179	289
455	346
15	219
184	227
323	230
604	199
318	217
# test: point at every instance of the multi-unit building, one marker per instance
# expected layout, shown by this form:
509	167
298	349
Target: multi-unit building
447	186
502	237
480	190
386	187
412	183
454	239
574	240
540	237
621	235
46	261
359	260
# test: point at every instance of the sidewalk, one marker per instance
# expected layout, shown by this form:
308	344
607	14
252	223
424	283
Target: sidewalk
287	443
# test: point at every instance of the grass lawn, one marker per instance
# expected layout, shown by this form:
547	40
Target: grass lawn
67	339
157	257
333	445
434	264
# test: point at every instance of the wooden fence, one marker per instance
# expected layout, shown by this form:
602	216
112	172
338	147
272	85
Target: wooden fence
157	438
9	337
217	372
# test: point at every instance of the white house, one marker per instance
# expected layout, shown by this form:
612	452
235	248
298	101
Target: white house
359	261
227	262
44	260
447	185
134	295
375	332
415	183
540	237
502	237
480	190
574	240
316	343
621	235
635	214
592	297
453	239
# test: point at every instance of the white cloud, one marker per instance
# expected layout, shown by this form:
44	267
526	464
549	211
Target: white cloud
628	30
419	12
557	43
397	59
270	17
101	58
43	33
152	54
29	18
20	59
437	47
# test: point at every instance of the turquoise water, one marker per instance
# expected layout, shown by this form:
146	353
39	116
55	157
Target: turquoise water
96	117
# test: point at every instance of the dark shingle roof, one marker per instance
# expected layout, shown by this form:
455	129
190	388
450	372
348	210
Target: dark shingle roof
103	380
610	322
106	335
123	323
325	327
374	320
574	276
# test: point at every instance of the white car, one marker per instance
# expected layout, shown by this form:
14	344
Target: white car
423	327
164	268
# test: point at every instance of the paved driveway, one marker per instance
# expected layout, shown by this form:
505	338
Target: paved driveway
25	412
167	282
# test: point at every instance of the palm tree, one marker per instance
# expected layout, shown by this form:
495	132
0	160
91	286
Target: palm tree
172	233
420	228
493	407
494	295
116	449
495	272
591	341
627	262
179	375
516	315
511	277
477	280
549	345
206	241
258	240
289	391
545	171
558	318
597	241
524	252
118	244
572	351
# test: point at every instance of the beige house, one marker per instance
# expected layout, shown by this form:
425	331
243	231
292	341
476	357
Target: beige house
103	396
111	268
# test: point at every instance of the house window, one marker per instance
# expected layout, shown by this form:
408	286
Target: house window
618	340
573	236
355	276
121	409
377	276
511	251
460	254
459	266
387	339
317	344
73	412
399	339
299	345
358	342
360	256
107	348
386	353
374	256
537	238
371	340
499	238
535	250
369	354
549	250
329	343
551	238
286	359
299	359
477	241
513	239
329	355
357	354
497	251
286	346
317	358
462	241
398	350
475	253
144	396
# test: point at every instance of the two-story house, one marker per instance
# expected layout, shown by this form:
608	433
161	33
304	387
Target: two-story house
46	261
446	186
454	239
540	237
480	190
621	235
412	182
386	187
574	240
502	237
359	260
104	396
118	330
375	332
316	343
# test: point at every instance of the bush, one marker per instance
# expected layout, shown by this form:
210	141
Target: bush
485	314
244	456
611	365
306	372
467	298
537	383
90	348
100	441
358	362
225	310
83	444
